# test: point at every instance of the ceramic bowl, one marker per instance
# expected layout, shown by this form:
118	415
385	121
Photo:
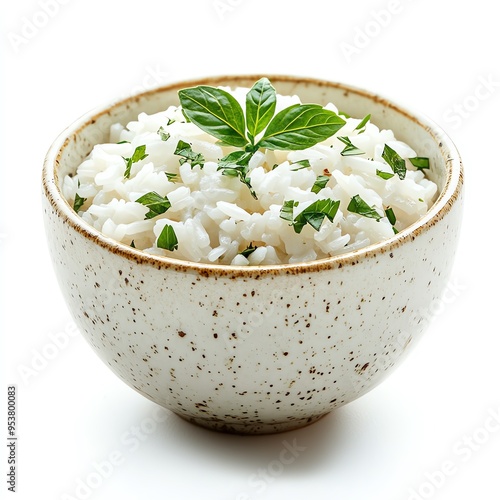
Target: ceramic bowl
254	349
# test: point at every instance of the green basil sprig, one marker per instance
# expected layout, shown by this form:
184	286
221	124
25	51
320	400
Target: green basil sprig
219	114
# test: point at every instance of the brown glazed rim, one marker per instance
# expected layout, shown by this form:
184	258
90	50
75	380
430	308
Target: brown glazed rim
448	196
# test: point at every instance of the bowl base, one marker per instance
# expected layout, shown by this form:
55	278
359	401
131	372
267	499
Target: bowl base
251	428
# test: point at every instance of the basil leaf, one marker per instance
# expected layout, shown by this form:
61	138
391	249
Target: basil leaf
300	126
260	106
138	155
389	212
362	124
320	183
420	162
167	239
358	206
236	158
235	164
79	201
216	112
172	177
157	204
164	136
394	161
315	213
302	163
286	212
384	175
188	155
350	149
250	249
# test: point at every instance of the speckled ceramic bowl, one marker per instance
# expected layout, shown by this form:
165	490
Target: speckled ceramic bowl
254	349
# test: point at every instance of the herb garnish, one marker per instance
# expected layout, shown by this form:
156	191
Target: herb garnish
301	164
320	182
167	239
235	164
139	154
350	149
79	201
362	124
389	213
394	161
313	215
185	150
384	175
420	162
250	249
164	136
358	206
157	204
172	177
218	113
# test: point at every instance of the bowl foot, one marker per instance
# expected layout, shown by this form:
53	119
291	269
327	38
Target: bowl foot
253	427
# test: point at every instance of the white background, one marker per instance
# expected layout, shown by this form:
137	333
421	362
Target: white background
435	412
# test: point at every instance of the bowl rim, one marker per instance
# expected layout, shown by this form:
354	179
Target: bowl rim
449	194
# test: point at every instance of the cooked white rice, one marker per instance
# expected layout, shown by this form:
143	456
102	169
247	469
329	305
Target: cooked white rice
215	216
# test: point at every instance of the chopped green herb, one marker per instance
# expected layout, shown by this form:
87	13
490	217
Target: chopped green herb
384	175
420	162
302	164
164	136
313	215
362	124
132	244
139	154
350	149
286	212
344	114
184	150
235	164
394	230
172	177
157	204
320	183
123	142
420	199
394	161
389	212
167	239
170	121
79	201
250	249
358	206
274	166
